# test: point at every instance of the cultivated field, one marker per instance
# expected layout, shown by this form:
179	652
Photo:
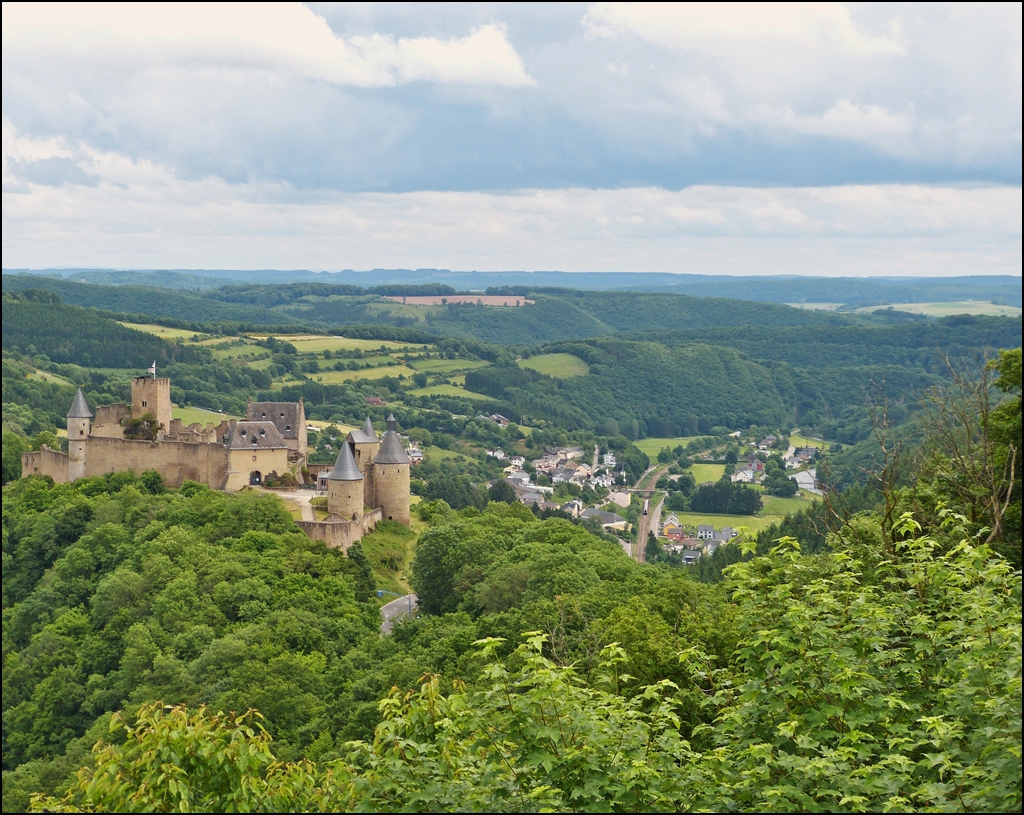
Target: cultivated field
978	307
163	331
336	377
444	366
316	343
447	390
560	366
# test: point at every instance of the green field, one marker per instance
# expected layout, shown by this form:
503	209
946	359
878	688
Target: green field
163	331
799	440
780	507
188	415
978	307
653	445
560	366
46	376
336	377
320	425
447	390
315	343
752	523
707	472
444	366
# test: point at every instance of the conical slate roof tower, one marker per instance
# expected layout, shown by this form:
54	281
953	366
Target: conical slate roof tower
79	408
345	467
391	451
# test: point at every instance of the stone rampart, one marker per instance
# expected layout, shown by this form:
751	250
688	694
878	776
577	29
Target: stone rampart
46	462
175	461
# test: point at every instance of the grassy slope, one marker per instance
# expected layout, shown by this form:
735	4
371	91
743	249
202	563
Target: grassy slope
561	366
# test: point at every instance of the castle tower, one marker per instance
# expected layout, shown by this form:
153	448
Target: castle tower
365	445
391	476
79	425
345	487
151	395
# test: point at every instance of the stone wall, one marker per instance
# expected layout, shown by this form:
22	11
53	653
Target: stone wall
175	461
338	533
334	532
45	462
108	420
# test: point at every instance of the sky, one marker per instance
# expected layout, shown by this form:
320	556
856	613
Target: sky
817	139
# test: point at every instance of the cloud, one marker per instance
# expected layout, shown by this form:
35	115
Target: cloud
139	214
276	37
709	26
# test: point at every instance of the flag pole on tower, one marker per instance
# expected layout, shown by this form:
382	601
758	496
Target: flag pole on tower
152	369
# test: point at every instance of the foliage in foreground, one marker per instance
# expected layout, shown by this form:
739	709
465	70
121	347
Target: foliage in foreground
865	680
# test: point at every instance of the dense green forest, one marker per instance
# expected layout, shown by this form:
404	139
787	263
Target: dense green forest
827	670
817	665
66	334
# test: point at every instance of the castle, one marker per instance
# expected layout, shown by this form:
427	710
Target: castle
369	481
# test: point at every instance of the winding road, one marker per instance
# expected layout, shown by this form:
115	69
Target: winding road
389	612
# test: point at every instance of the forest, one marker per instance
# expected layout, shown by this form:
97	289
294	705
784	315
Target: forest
547	669
861	654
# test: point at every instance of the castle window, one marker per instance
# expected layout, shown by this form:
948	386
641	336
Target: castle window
143	402
254	458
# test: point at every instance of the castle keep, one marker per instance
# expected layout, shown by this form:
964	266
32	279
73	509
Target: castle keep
369	481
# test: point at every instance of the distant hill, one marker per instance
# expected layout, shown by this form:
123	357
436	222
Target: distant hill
1002	289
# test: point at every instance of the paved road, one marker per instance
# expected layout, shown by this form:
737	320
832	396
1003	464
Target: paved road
302	498
396	608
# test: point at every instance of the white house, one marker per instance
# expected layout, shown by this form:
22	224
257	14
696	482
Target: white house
807	480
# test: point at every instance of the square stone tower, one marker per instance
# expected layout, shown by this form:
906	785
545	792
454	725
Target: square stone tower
151	395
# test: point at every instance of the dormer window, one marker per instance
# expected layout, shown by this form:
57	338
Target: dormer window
263	415
255	441
287	427
243	434
263	432
282	415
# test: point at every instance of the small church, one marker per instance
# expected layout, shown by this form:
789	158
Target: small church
369	481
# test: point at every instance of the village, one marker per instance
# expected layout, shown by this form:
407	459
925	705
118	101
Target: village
536	481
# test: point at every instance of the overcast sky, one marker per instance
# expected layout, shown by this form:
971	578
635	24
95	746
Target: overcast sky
807	139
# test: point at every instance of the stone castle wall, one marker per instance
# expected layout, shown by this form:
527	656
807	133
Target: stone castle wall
337	533
45	462
175	461
108	420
